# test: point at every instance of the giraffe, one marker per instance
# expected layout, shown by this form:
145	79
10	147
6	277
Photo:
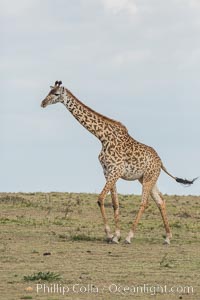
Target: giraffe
122	157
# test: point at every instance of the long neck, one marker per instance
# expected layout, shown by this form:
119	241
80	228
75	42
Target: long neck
97	124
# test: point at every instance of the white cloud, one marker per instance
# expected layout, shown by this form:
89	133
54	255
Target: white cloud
116	6
16	8
194	3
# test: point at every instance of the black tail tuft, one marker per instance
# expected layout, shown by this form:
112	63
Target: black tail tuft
185	181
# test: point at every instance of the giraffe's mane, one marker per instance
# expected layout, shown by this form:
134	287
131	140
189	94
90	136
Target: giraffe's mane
111	121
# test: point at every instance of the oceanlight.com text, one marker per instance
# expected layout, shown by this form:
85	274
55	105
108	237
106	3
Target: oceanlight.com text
117	289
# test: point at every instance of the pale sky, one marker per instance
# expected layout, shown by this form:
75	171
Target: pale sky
136	61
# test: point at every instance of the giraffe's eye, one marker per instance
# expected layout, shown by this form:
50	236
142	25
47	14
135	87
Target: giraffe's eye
57	94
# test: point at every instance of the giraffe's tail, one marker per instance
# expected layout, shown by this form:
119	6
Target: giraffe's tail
180	180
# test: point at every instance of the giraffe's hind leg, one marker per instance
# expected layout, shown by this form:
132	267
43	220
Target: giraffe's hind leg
115	203
146	189
158	198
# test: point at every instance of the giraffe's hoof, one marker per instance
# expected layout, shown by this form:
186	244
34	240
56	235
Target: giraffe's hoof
166	241
115	240
109	239
127	242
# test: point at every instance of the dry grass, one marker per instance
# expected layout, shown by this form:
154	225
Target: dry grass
62	234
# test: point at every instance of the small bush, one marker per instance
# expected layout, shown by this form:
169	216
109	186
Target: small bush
42	276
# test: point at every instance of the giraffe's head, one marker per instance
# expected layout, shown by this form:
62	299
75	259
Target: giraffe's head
55	95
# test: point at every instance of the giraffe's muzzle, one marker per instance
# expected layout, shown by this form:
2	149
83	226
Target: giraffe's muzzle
44	103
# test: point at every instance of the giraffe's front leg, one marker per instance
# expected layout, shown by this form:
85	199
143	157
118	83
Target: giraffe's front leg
115	202
109	185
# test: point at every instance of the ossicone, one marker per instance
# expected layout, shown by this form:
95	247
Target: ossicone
58	83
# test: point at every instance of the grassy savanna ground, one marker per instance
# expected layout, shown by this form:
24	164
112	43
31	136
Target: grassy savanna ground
68	228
